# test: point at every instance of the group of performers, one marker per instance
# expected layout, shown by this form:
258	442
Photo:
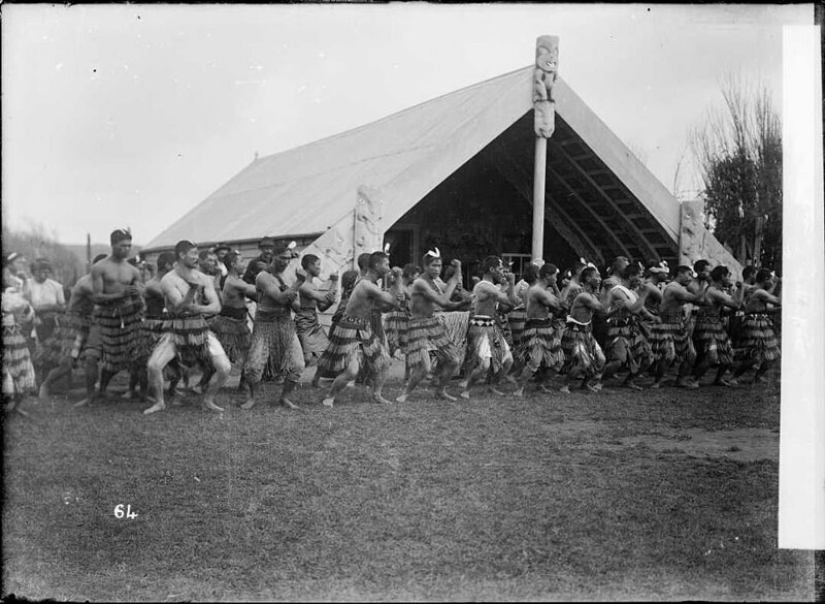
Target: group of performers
195	311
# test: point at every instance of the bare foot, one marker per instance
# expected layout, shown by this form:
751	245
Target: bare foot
128	396
210	405
250	402
285	402
89	400
465	394
633	385
380	399
519	393
442	394
685	383
565	389
656	385
43	394
159	406
328	402
495	391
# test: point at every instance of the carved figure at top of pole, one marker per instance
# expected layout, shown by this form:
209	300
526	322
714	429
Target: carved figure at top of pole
544	78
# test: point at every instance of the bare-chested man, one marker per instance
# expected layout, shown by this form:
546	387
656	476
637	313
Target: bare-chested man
313	299
273	334
231	325
583	357
573	287
189	296
669	339
151	330
118	296
541	344
72	335
353	336
627	347
487	348
517	318
397	321
713	347
425	332
757	343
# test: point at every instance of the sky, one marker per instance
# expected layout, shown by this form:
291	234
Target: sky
131	115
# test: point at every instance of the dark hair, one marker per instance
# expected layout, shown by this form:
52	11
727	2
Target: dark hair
614	267
309	260
364	261
165	258
204	254
231	258
577	267
700	265
376	258
99	257
748	271
719	272
182	247
548	270
762	275
411	270
587	272
348	279
489	263
530	273
42	263
683	268
630	271
119	235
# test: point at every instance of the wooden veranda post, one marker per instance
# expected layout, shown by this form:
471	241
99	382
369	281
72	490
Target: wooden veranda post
544	105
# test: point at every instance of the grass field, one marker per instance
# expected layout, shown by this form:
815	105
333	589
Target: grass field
616	495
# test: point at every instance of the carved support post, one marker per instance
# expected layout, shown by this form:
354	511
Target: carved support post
369	222
544	106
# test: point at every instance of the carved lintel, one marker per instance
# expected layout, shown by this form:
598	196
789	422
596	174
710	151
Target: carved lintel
544	79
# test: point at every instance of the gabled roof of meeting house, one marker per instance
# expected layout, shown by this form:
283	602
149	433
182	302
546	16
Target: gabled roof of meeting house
602	199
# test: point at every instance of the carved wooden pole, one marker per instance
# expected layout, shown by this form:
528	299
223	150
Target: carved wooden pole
544	105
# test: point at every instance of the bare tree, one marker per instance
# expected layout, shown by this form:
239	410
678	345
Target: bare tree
739	154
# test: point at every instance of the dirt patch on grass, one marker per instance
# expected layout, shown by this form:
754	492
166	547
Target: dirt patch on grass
743	444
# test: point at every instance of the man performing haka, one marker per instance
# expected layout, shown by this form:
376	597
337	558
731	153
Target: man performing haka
231	326
353	343
313	299
583	357
710	338
670	341
425	332
487	347
398	320
627	347
273	335
541	343
151	330
118	296
189	295
757	343
518	316
72	334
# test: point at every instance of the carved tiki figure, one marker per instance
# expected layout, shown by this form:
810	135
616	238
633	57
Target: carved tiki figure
544	78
